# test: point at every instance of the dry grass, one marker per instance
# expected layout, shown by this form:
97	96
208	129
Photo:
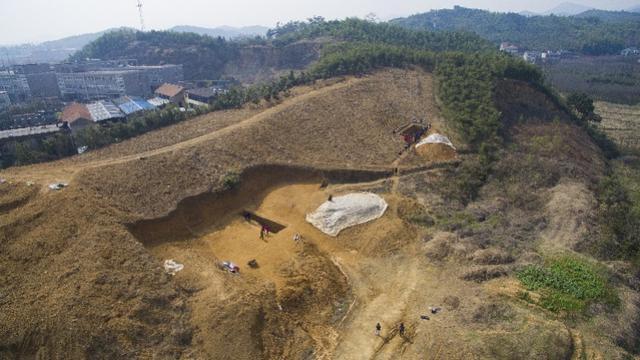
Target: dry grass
621	123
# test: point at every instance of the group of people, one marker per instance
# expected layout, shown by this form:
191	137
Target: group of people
401	329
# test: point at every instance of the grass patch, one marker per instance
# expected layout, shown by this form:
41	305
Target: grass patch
413	212
568	284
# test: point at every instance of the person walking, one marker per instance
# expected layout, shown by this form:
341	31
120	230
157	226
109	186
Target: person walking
262	233
297	238
401	329
378	328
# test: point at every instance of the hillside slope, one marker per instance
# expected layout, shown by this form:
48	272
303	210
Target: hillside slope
88	259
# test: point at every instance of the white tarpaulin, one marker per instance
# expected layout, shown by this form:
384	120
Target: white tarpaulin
346	211
57	186
436	139
171	267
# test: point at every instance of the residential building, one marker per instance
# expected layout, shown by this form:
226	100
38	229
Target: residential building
509	48
632	51
551	56
15	85
204	95
532	56
5	101
173	93
77	116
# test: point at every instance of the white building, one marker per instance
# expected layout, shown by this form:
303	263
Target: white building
509	48
532	56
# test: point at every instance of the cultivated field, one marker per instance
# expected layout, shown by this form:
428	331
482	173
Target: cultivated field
607	78
621	123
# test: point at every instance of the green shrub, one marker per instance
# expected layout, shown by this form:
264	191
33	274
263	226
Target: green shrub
568	284
230	180
619	215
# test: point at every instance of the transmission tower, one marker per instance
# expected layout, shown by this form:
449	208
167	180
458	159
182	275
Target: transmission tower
141	16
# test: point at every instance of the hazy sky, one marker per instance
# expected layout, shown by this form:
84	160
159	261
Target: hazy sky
39	20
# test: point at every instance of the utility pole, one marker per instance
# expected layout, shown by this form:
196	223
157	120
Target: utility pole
141	16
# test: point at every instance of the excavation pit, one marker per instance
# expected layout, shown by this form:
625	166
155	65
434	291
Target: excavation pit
210	228
254	218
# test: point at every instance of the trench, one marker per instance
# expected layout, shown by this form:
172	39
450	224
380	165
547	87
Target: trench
195	216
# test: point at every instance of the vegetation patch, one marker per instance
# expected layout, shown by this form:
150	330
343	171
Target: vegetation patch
413	212
230	180
619	215
568	284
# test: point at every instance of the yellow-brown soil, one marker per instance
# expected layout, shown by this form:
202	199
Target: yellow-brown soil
81	269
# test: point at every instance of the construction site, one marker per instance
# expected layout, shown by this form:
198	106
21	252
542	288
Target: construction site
289	230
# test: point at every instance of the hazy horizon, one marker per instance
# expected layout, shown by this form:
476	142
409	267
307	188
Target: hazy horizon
34	21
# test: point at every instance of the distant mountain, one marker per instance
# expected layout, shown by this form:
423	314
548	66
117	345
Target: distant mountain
572	33
635	9
567	9
227	32
610	16
49	51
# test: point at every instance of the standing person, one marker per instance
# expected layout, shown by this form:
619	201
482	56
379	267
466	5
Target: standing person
296	238
401	329
262	233
378	328
330	198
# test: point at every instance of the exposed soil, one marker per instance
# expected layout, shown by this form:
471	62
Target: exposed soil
81	269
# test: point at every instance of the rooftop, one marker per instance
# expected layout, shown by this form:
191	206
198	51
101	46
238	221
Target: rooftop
75	111
169	90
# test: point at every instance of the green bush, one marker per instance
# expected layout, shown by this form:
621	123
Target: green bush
568	284
619	215
230	180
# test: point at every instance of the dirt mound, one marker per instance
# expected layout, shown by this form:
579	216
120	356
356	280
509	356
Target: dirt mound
437	152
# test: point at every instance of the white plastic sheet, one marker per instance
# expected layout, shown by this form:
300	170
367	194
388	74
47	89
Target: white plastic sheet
436	139
346	211
171	267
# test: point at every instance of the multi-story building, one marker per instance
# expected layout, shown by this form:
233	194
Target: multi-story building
116	82
5	101
15	85
158	75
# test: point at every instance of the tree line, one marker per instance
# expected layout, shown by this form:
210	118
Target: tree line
590	35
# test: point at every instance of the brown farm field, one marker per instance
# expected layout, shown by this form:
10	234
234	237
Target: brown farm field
621	123
81	269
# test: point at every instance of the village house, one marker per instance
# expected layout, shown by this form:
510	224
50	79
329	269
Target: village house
174	93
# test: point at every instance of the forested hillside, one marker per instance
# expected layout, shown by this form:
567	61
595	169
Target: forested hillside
291	46
602	33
